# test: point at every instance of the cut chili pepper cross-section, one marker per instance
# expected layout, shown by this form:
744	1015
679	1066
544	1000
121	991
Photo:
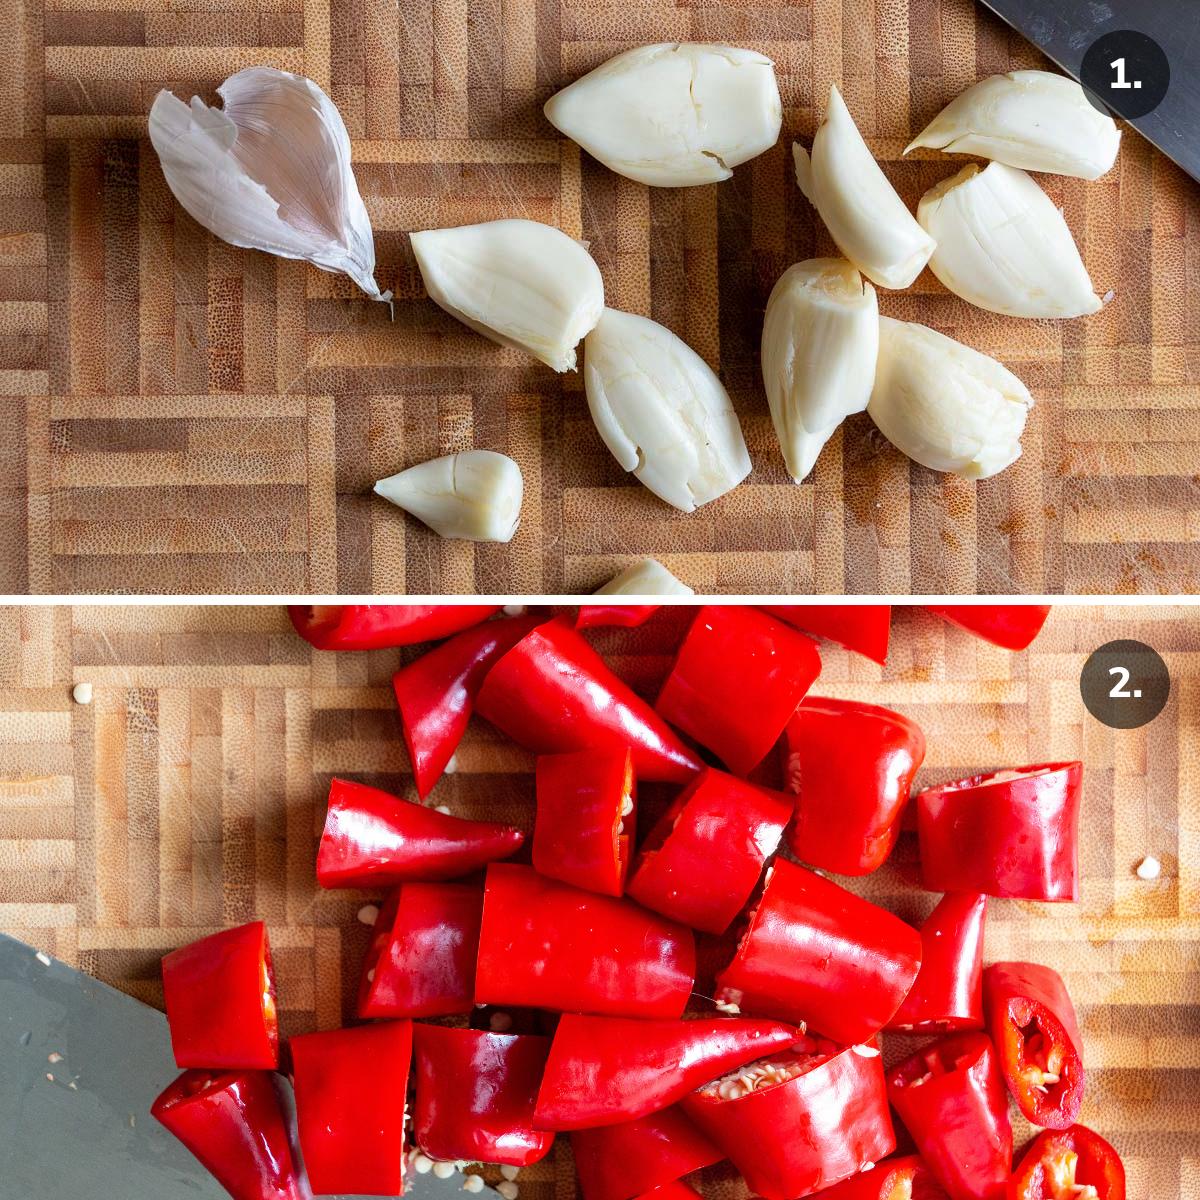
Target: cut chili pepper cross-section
1069	1164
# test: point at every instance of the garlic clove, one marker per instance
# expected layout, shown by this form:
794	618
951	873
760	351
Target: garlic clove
1003	245
820	339
521	283
864	215
945	405
270	170
1035	120
662	411
646	577
475	494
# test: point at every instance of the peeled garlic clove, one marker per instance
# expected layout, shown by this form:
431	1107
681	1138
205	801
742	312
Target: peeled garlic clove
865	217
662	411
1035	120
520	283
474	495
819	343
647	577
673	114
1003	245
269	171
945	405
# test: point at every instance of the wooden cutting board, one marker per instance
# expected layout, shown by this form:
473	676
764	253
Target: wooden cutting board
187	416
189	795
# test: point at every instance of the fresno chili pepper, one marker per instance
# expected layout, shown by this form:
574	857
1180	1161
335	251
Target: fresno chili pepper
904	1177
851	766
737	678
863	628
1032	1022
1006	833
475	1095
373	838
379	626
552	692
544	944
625	616
1069	1164
817	953
704	857
220	1001
1010	626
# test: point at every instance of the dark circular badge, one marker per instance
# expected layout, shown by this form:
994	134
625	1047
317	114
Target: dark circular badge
1124	684
1125	72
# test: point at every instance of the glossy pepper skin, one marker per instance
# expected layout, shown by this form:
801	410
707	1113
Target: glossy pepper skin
379	626
851	767
373	839
475	1095
625	616
544	944
904	1177
737	678
1058	1162
552	692
704	857
220	1001
1007	833
863	628
1032	1023
817	953
1010	626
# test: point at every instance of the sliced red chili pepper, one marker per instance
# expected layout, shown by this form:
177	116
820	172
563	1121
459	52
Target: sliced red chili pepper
544	944
552	692
220	1001
378	626
736	679
475	1095
1069	1164
863	628
1011	626
626	616
372	839
1006	833
905	1177
1032	1022
703	859
851	766
817	953
605	1070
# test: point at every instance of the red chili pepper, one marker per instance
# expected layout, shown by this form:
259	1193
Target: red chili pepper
626	616
374	839
544	944
220	1000
378	626
1007	833
350	1086
475	1095
905	1177
1032	1022
675	1190
817	953
234	1124
948	994
552	692
863	628
703	859
799	1121
951	1098
736	679
851	766
1011	626
1069	1164
606	1070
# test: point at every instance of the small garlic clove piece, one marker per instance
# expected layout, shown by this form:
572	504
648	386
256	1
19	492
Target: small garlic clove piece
662	411
521	283
820	340
475	494
673	114
1003	245
647	577
945	405
1035	120
270	170
864	215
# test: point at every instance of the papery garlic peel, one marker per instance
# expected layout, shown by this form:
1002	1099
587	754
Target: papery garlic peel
647	577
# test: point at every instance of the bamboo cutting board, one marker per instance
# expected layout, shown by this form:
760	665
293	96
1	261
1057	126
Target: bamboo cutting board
186	416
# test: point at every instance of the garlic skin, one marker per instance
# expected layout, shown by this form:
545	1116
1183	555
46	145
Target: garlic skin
647	577
945	405
520	283
270	170
1003	245
1035	120
662	411
475	495
673	114
820	340
864	215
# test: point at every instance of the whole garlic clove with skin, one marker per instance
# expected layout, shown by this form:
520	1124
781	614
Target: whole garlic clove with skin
820	340
1003	245
648	577
662	411
520	283
673	114
945	405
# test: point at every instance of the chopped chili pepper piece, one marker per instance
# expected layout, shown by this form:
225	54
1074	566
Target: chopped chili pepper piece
379	626
1010	626
905	1177
863	628
1069	1164
625	616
